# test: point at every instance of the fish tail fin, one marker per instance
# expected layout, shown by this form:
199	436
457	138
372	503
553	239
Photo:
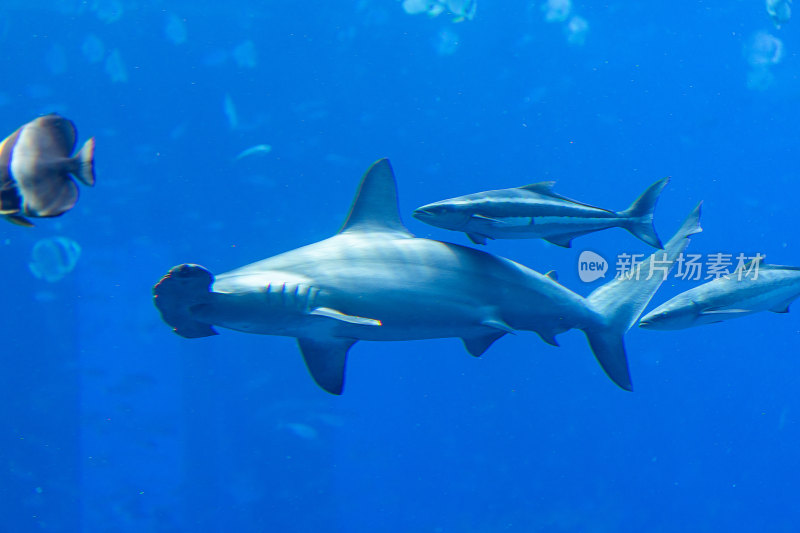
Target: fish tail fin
84	159
619	303
639	215
183	287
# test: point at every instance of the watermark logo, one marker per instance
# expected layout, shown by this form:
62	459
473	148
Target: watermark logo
695	267
591	266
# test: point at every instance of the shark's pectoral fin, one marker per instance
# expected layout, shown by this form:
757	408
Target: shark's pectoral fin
476	238
351	319
477	345
325	360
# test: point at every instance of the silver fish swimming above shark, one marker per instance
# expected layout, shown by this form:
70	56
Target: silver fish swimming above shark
37	169
750	289
375	281
537	212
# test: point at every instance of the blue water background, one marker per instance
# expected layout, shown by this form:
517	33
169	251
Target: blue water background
110	422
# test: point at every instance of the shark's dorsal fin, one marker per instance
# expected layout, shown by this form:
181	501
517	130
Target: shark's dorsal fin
375	205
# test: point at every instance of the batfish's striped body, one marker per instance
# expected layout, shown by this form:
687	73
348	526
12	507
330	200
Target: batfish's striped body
375	281
537	212
750	289
37	169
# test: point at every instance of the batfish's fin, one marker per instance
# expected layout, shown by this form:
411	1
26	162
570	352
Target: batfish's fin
552	274
375	207
52	197
476	239
10	198
325	360
82	165
477	345
338	315
57	135
639	216
496	323
19	220
620	302
183	287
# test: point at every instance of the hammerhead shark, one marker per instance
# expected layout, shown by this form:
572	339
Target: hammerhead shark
375	281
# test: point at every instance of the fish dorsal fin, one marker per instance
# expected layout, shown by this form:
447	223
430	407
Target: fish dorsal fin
58	135
375	205
543	187
552	274
752	263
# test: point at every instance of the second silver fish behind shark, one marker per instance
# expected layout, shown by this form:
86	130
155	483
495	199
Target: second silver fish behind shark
750	289
537	212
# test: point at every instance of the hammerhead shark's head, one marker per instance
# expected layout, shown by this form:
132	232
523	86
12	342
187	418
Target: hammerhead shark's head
752	288
376	281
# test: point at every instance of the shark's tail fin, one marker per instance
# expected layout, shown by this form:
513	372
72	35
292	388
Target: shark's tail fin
639	215
183	286
620	302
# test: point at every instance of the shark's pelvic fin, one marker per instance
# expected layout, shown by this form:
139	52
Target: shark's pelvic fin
548	337
338	315
325	360
477	345
375	206
476	238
